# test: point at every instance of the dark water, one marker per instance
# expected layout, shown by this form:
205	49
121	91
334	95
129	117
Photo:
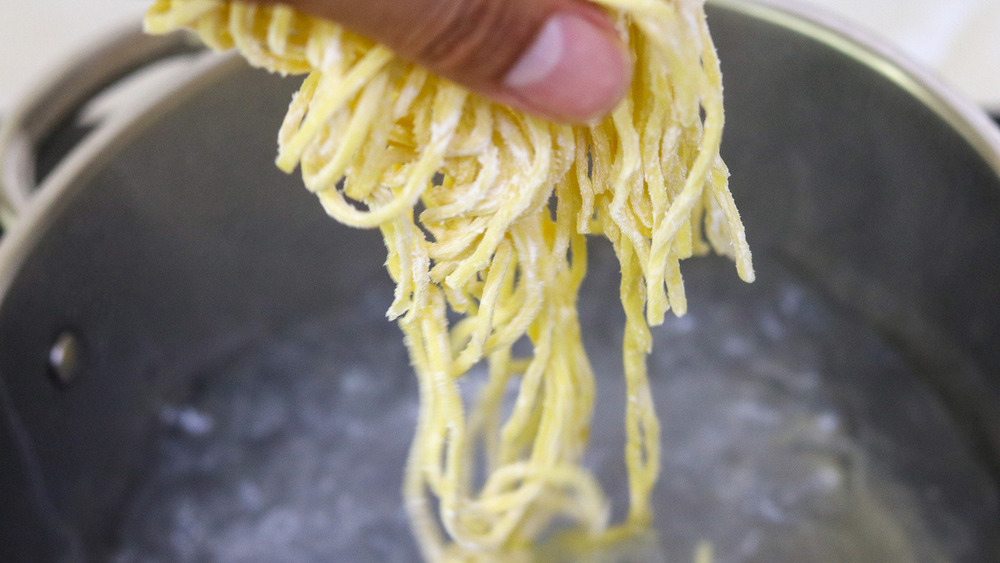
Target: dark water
790	432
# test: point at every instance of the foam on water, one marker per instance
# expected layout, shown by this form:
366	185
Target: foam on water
791	432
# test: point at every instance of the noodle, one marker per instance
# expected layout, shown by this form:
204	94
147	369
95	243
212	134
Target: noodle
460	188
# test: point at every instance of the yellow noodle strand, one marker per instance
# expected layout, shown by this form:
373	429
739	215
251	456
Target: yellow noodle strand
376	136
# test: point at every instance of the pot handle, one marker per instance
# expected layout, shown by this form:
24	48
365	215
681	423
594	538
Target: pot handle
54	101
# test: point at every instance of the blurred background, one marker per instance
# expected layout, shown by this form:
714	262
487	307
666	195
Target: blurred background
958	39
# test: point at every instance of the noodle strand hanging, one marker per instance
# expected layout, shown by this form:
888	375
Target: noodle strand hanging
461	190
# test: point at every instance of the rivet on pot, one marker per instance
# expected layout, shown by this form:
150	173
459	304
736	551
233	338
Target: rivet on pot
65	357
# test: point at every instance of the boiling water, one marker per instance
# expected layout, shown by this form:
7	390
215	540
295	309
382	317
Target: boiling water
790	432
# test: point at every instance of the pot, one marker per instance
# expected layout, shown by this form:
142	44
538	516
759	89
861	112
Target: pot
194	362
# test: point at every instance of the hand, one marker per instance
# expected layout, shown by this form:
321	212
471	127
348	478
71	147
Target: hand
560	59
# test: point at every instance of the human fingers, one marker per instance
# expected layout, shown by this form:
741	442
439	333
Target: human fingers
560	59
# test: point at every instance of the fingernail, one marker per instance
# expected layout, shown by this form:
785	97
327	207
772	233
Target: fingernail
574	70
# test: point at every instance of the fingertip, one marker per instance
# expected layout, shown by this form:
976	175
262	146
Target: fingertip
574	70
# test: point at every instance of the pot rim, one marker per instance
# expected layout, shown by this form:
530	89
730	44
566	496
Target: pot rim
853	40
28	217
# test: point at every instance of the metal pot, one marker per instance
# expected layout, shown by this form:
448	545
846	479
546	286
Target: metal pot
194	362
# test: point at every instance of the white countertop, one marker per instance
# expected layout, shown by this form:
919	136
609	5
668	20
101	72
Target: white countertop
958	39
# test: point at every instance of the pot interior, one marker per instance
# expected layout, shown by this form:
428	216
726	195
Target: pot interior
238	394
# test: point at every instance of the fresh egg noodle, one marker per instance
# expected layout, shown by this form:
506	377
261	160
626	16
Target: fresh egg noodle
484	211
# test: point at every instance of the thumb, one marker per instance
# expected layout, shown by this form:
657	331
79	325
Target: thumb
559	59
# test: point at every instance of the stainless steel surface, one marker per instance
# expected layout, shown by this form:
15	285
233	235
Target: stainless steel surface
891	63
958	39
240	395
64	357
68	88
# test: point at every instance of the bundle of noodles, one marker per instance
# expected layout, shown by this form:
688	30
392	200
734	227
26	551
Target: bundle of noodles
460	188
